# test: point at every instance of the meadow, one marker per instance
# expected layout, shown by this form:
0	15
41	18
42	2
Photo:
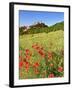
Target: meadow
41	55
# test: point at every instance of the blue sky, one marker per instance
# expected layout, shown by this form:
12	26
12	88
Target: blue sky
27	18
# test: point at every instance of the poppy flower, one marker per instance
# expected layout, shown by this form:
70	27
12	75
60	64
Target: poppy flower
27	51
37	48
20	64
50	55
41	53
51	75
60	69
26	66
34	45
28	57
36	64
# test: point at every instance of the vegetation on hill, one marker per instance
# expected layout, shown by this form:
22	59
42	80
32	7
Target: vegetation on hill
57	26
40	28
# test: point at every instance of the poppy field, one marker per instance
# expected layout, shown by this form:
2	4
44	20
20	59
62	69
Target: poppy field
41	55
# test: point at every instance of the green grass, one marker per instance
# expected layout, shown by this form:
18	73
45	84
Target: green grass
51	42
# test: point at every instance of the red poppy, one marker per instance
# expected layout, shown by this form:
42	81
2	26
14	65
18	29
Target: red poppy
41	53
28	57
50	55
60	69
51	75
26	66
37	48
20	64
27	51
36	64
34	45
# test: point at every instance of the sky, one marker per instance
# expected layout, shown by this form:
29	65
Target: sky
27	18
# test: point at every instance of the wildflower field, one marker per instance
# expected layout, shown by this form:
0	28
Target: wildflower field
41	55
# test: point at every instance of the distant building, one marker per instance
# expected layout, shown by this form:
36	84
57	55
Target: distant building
26	29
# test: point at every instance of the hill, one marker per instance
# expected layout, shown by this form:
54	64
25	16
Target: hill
40	28
57	26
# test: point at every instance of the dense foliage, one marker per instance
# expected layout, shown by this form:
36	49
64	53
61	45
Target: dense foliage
40	28
57	26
